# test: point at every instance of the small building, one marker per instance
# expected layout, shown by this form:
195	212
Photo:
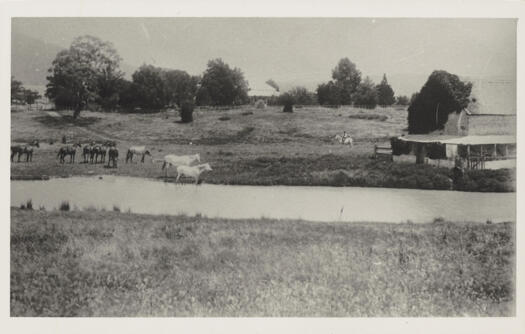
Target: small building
470	139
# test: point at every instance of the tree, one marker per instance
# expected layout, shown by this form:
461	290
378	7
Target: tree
442	94
329	94
180	87
385	93
30	96
83	74
366	94
148	88
402	100
17	90
221	85
347	77
298	95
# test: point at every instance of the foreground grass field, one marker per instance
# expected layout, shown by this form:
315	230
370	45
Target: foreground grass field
249	146
123	264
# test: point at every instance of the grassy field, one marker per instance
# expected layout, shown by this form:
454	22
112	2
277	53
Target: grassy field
123	264
250	146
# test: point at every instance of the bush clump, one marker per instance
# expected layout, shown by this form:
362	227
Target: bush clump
260	104
186	112
64	206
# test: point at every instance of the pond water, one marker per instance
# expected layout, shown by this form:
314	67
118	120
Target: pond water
283	202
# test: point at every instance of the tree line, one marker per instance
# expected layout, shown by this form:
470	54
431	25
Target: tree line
87	75
22	95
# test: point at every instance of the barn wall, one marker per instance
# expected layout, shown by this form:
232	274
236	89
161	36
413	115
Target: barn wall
491	125
456	124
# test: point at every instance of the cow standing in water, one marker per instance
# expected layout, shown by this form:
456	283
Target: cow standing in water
112	157
139	150
178	160
192	171
26	149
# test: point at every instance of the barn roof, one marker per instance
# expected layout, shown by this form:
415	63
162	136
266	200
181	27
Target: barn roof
463	140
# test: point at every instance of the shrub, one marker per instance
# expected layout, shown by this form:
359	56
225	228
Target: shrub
64	206
116	208
442	182
224	118
29	205
287	100
260	104
186	112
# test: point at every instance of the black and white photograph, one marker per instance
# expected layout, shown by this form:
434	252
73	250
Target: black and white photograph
269	167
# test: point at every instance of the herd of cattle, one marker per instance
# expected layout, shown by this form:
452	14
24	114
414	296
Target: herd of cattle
97	152
91	152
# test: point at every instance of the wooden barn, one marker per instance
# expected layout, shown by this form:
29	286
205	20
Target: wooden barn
470	139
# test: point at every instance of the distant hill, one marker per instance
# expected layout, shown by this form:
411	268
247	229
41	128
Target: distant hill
31	58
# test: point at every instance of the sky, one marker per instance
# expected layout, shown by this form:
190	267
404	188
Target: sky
300	51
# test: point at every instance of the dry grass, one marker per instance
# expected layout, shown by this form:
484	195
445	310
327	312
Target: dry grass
161	128
265	147
121	264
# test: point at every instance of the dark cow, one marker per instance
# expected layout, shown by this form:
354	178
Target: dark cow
112	157
68	150
22	149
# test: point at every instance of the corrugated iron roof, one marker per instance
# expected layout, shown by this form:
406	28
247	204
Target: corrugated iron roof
463	140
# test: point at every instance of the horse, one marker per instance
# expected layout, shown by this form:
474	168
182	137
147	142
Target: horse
112	157
137	150
348	141
192	171
86	152
26	149
102	150
96	151
66	150
345	139
179	160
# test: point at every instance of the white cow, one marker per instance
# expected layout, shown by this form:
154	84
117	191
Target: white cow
179	160
192	171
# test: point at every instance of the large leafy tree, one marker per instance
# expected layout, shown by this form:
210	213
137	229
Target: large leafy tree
85	73
442	94
329	94
347	78
180	87
385	93
148	89
222	85
366	94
